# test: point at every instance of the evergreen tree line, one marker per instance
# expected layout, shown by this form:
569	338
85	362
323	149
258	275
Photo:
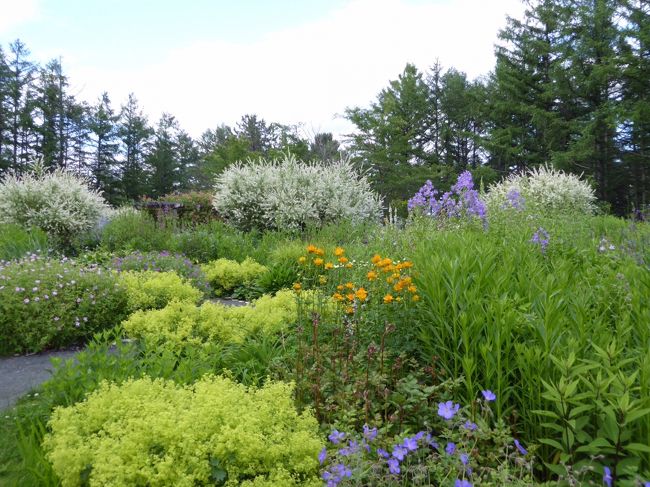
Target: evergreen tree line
571	88
119	150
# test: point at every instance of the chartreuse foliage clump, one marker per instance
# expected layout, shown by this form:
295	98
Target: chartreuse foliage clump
182	323
148	432
225	275
154	290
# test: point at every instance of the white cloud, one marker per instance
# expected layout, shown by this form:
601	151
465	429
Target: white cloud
310	73
16	12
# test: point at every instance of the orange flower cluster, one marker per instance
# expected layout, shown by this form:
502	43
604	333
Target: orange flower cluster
402	285
319	253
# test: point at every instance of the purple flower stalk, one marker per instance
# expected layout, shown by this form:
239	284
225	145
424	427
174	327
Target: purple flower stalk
541	238
607	477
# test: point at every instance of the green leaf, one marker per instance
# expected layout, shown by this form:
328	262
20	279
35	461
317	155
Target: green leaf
637	447
553	443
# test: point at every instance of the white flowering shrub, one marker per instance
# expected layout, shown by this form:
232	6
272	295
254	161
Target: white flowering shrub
58	202
544	190
290	194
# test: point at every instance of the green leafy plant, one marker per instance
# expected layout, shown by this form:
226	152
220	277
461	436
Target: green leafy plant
227	275
154	290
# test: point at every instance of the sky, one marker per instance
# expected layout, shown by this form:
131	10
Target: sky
208	62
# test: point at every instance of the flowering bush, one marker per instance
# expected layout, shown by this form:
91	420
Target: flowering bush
58	202
225	275
289	194
462	201
214	432
182	323
544	190
163	262
154	290
48	303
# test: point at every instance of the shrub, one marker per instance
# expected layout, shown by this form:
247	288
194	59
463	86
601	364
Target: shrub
181	323
153	432
194	207
48	303
16	242
543	190
131	230
154	290
290	194
225	275
58	202
163	262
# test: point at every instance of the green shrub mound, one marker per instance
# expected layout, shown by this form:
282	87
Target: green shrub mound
155	433
154	290
16	241
46	303
182	323
225	275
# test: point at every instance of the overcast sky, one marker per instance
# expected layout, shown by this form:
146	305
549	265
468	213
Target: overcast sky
210	61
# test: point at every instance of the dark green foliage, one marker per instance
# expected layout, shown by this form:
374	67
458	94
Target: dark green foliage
16	242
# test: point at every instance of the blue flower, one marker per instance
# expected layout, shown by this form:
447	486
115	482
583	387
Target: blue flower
382	453
351	449
399	452
488	395
521	449
450	448
464	458
336	437
607	477
470	426
448	409
393	466
462	483
322	456
541	238
410	444
368	433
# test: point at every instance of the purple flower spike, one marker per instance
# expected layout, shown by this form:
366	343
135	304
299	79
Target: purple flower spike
521	449
607	477
488	395
448	409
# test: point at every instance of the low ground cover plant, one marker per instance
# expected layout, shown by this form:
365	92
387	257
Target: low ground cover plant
154	290
49	303
153	432
229	277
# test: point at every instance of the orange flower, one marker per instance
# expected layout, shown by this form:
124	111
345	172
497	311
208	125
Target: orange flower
388	298
338	297
312	249
361	294
339	251
399	286
415	297
389	268
390	280
399	299
340	287
302	259
318	262
319	252
413	288
385	262
349	285
350	296
297	286
375	259
406	264
348	265
343	260
349	310
407	280
372	275
329	266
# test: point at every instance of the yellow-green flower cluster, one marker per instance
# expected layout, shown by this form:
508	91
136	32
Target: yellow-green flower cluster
156	433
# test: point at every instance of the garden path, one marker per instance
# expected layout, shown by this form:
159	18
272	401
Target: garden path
19	375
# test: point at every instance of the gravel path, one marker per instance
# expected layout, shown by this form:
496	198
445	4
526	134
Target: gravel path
19	375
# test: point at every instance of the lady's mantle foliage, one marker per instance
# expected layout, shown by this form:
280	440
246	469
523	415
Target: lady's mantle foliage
290	194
